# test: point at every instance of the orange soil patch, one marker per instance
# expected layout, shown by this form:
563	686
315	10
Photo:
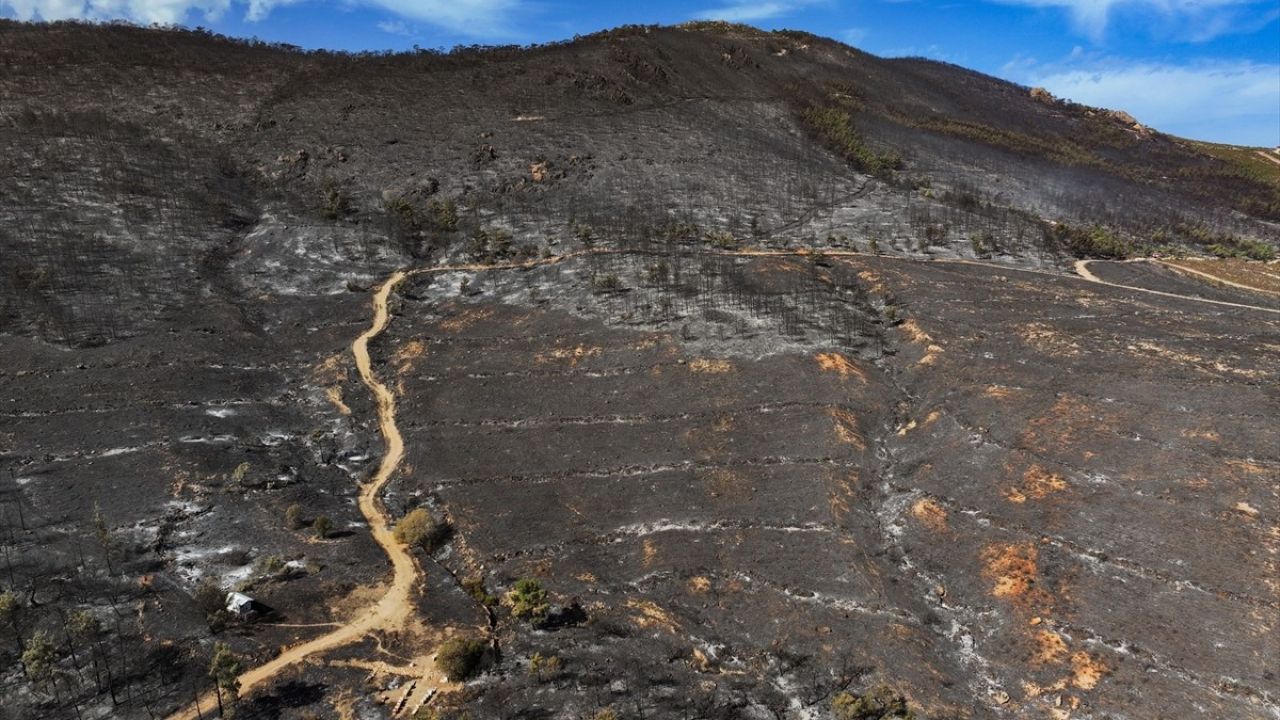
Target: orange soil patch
1051	649
999	392
1014	574
1086	670
331	371
1069	424
466	319
839	492
846	427
916	333
1200	434
650	552
1248	467
649	615
874	280
710	366
931	515
699	585
1203	364
1037	484
1247	509
406	354
572	355
837	363
1047	341
335	396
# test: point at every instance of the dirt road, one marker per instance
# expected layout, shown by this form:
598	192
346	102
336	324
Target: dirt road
1082	269
394	606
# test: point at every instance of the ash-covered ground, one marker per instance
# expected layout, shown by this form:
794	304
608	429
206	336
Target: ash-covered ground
763	357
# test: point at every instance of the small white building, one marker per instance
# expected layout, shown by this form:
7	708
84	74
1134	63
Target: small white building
242	606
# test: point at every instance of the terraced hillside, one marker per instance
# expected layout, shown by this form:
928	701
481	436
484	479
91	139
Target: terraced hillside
769	362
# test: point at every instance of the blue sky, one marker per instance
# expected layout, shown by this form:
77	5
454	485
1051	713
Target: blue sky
1205	69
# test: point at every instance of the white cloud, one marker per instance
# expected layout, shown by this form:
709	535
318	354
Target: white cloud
472	18
165	12
750	11
854	36
1203	19
1236	101
394	27
475	18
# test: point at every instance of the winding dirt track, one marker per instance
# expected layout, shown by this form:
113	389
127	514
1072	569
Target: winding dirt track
1082	269
393	609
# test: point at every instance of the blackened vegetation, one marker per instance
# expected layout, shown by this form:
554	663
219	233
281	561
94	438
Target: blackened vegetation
188	228
806	299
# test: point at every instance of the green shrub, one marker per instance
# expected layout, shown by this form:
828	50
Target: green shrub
1094	242
420	529
40	658
272	566
879	704
444	214
528	600
1230	246
476	589
545	667
293	517
608	282
721	240
402	211
460	658
333	203
835	127
322	525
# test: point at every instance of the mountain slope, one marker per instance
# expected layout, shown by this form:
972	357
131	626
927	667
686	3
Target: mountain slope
763	356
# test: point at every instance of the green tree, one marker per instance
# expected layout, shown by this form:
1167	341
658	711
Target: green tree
224	668
293	517
460	658
40	659
322	525
528	600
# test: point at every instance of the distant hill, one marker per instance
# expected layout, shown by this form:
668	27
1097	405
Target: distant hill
175	146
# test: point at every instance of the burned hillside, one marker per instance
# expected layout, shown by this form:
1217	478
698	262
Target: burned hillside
723	374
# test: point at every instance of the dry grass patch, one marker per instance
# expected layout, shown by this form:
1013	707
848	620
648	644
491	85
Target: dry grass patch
930	514
1014	574
335	396
1086	670
1037	484
572	355
710	366
837	363
406	354
466	319
1051	649
649	615
846	428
